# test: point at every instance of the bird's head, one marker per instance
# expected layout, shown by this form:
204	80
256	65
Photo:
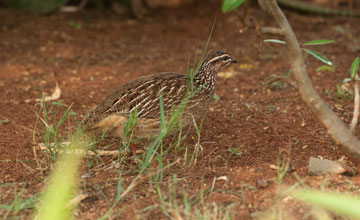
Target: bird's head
218	60
214	62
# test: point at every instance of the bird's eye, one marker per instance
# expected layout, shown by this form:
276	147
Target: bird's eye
226	59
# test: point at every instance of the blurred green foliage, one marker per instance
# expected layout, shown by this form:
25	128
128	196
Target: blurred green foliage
35	5
46	6
229	5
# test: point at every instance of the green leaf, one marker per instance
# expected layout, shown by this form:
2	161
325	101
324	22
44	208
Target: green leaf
318	42
287	73
354	67
275	41
119	188
229	5
347	80
338	28
162	115
75	25
216	97
325	67
4	121
344	205
319	56
73	113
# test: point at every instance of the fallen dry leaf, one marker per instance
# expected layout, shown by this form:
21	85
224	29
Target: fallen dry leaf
323	166
227	74
56	95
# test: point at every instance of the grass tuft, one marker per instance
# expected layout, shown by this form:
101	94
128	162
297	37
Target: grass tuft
62	185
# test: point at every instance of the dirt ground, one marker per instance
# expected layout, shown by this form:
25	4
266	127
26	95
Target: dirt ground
245	131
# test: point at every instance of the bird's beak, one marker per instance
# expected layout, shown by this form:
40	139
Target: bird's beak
233	60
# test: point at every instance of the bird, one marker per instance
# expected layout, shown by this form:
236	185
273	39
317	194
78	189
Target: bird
141	99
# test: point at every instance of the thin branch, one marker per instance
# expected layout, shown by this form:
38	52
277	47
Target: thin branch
42	146
335	127
276	78
67	8
272	30
244	15
355	118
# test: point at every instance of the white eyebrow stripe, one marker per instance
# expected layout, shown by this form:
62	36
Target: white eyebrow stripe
216	58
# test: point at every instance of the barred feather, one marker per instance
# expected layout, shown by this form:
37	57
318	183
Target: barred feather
144	94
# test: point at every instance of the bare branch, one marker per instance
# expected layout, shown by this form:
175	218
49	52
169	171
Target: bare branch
42	146
276	78
335	127
355	118
272	30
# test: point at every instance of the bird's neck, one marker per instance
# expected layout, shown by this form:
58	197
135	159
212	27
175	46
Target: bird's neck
206	78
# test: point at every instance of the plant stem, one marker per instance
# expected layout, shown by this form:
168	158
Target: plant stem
355	118
334	126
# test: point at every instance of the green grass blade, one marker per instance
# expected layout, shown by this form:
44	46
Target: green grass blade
119	188
318	42
162	116
62	119
229	5
323	68
354	67
43	106
192	72
206	46
62	184
287	73
275	41
319	56
342	204
347	80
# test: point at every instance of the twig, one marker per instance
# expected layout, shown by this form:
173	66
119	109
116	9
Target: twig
272	30
139	180
355	118
66	8
31	170
77	199
244	15
135	182
335	127
42	146
275	78
54	96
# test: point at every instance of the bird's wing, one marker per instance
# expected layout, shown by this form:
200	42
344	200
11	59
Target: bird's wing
143	96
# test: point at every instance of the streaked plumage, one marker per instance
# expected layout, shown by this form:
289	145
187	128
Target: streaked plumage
144	93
